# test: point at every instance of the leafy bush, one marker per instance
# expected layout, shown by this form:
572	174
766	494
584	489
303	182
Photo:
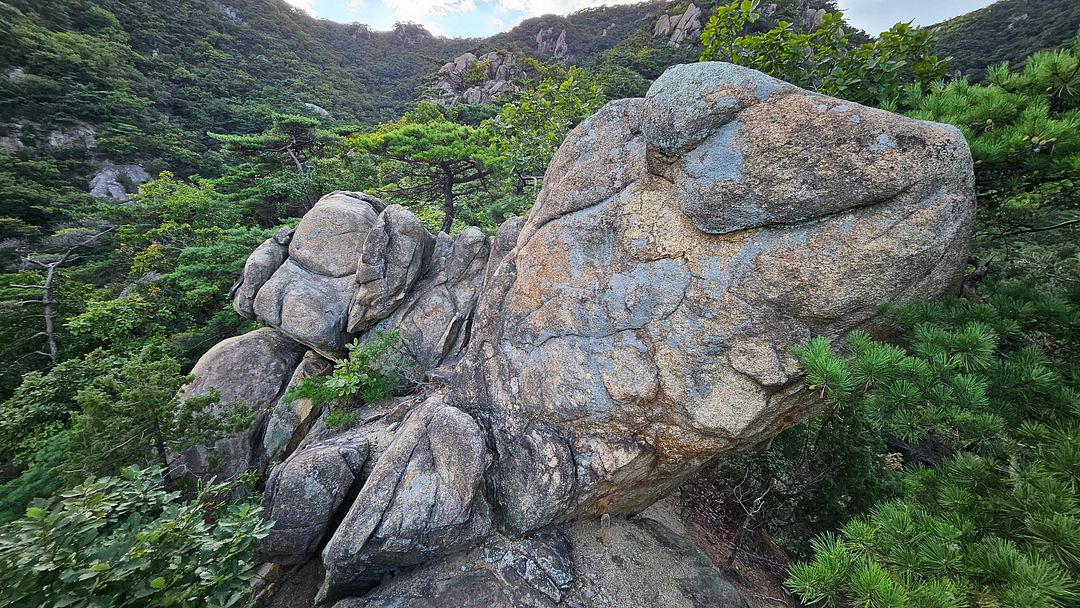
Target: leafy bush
126	541
373	369
827	60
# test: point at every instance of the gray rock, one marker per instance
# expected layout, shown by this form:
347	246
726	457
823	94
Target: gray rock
303	495
505	238
680	247
499	70
83	136
433	319
260	266
252	369
316	109
309	307
421	499
290	419
309	294
547	43
396	252
114	182
637	563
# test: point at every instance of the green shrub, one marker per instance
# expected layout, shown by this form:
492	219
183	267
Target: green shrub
126	541
373	369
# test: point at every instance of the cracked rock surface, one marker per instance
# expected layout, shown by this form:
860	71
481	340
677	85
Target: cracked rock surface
681	246
636	324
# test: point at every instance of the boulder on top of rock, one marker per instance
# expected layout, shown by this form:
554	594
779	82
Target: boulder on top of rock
308	296
396	252
353	267
681	245
259	267
433	319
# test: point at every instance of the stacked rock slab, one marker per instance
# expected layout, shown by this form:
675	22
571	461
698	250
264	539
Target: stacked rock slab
635	325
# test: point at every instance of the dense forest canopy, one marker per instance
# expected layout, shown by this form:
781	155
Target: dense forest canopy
147	148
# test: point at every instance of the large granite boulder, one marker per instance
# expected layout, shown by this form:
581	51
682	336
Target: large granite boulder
355	267
252	369
635	325
309	294
681	246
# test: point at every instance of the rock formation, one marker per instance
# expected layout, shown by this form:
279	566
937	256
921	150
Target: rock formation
680	29
472	79
115	182
550	44
635	325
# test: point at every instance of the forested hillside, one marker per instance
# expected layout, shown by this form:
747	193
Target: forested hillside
939	470
1009	30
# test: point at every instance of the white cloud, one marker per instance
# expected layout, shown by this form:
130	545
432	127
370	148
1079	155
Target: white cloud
558	7
420	11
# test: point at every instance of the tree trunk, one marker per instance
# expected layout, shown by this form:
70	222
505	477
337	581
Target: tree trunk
448	205
49	312
162	454
300	170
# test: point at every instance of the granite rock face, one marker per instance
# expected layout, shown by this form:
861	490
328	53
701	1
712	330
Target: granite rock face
680	29
635	563
252	369
303	495
681	245
421	499
591	356
472	79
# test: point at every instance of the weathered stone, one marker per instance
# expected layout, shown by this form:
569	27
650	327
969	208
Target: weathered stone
260	266
330	238
396	252
638	563
456	80
309	295
421	499
504	240
290	419
635	325
252	369
303	495
115	182
434	317
677	252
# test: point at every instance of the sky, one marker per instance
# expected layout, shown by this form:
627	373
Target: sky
472	18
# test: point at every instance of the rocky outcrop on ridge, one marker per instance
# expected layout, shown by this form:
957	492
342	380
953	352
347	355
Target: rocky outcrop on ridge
548	43
588	358
472	79
679	29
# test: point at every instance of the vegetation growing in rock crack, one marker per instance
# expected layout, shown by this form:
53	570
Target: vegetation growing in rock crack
372	371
